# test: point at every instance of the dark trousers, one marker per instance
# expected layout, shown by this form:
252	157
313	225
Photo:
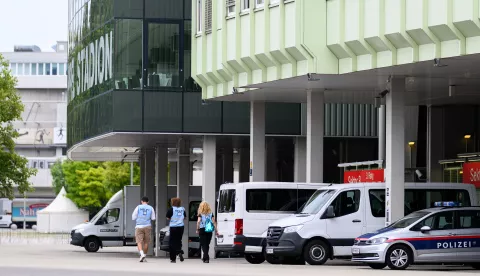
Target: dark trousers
176	234
205	239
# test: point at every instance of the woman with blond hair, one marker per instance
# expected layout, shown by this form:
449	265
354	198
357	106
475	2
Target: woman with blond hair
206	225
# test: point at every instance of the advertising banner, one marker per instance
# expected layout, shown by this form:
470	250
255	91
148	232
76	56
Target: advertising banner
30	212
375	175
471	173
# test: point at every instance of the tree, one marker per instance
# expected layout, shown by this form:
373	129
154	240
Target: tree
13	167
58	179
117	175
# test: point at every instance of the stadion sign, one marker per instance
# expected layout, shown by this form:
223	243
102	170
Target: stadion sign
471	173
376	175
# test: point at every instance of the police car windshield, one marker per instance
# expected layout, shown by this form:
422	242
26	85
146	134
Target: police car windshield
409	220
317	201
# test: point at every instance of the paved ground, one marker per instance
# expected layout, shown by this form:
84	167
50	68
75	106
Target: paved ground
51	260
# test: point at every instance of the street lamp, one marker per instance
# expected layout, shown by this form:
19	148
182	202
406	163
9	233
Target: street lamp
411	144
467	137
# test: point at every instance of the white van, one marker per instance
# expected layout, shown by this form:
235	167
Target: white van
335	215
246	209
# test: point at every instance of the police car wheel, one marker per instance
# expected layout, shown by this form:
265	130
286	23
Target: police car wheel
476	266
92	244
377	265
272	259
316	252
399	257
254	258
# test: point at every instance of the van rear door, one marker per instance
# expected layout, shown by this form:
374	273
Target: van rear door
226	215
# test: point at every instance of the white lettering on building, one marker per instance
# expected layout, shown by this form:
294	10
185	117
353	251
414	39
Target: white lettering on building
93	65
474	175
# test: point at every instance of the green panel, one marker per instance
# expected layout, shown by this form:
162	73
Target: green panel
163	111
127	110
164	9
90	119
201	118
236	117
128	9
283	118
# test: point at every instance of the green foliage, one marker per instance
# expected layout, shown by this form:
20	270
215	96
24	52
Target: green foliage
91	184
13	167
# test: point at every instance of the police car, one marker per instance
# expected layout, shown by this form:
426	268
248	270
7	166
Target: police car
444	234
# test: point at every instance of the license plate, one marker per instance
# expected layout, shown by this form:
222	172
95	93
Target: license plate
269	250
219	239
355	251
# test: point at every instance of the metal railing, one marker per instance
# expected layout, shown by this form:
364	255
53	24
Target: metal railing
20	236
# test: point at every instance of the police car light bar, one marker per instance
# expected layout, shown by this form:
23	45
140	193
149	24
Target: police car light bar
446	204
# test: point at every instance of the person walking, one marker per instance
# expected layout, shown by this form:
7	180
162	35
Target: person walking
206	225
143	215
176	215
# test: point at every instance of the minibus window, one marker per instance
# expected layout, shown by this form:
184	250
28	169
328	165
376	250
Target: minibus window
317	201
226	203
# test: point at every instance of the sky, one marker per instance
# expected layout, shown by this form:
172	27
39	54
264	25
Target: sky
33	22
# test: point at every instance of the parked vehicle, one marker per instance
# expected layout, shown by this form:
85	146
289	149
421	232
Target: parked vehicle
246	209
438	235
25	210
113	225
335	215
5	213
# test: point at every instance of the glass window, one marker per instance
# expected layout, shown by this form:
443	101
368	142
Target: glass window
194	210
47	69
469	219
245	4
280	200
34	69
54	69
40	68
20	69
316	202
409	220
128	54
230	7
13	67
110	216
199	15
259	3
27	69
61	69
226	203
346	203
163	55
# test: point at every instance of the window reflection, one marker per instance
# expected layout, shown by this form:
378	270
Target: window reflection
47	69
163	55
54	69
128	54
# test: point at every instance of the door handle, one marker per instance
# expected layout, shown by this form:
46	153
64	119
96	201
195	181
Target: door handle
225	220
452	234
116	226
356	221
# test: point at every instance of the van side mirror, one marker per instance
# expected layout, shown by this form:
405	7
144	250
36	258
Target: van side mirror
425	229
330	212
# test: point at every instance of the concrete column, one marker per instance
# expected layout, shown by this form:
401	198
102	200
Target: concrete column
271	160
183	178
244	165
149	184
315	133
228	164
141	163
381	133
435	143
257	141
173	174
209	187
300	159
395	151
161	180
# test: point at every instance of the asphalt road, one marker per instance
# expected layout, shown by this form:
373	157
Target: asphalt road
51	260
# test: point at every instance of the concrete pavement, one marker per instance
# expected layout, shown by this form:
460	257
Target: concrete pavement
48	260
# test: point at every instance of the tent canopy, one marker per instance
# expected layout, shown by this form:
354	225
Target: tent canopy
61	204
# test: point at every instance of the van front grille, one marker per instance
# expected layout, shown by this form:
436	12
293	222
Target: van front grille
274	233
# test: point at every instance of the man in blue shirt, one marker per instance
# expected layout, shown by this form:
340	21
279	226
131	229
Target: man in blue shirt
143	215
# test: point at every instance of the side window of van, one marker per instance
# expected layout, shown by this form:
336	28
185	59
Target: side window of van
276	200
346	203
226	202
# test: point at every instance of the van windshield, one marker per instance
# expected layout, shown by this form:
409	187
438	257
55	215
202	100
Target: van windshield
317	201
98	214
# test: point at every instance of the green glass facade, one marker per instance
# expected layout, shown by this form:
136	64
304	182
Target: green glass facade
130	71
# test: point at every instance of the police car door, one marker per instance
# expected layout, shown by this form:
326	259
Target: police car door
468	235
109	227
438	244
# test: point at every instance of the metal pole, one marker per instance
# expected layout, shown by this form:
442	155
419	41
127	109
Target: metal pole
24	210
131	173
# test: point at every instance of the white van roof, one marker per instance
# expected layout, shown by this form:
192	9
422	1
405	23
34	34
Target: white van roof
438	185
272	184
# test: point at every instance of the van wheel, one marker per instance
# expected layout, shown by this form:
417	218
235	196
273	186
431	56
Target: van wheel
254	258
476	266
271	259
399	257
316	252
92	244
377	265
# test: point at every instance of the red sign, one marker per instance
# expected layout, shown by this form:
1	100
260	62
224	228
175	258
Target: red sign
471	173
363	176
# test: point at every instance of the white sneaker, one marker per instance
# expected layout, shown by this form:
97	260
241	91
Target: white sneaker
142	258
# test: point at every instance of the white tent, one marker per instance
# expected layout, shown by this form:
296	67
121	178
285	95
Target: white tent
60	216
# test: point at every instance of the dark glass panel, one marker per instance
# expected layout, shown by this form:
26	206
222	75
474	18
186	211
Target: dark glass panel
127	111
200	117
164	9
163	111
236	117
282	118
128	8
127	57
